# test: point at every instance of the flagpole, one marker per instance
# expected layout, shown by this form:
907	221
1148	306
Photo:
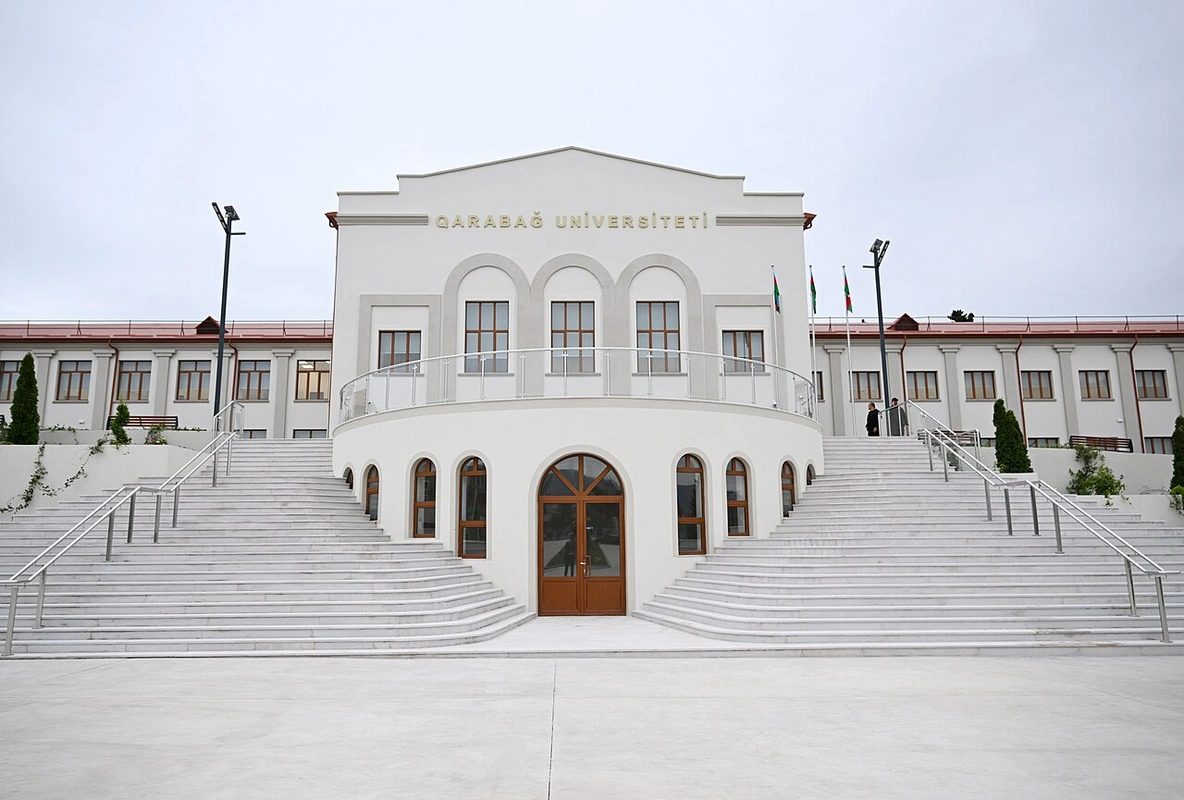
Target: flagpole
850	360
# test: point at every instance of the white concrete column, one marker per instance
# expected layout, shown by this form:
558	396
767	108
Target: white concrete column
1069	388
45	387
279	395
838	392
1126	394
1011	377
954	392
162	387
1178	363
896	386
100	389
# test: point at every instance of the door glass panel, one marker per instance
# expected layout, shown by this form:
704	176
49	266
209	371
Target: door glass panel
736	520
559	540
602	539
689	538
425	524
592	469
570	469
609	486
690	498
553	486
736	488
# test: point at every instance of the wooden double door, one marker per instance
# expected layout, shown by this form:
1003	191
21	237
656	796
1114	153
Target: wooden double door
581	538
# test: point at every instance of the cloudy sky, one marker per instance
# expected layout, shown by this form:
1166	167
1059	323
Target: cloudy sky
1024	157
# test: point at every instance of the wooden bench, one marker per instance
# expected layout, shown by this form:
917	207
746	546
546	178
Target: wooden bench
148	422
1112	443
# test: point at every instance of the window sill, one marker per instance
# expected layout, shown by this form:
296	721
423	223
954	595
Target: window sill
1153	399
574	375
179	400
1038	400
981	399
1097	399
660	374
76	402
304	400
263	400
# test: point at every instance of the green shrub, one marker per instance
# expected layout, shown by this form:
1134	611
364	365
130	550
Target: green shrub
1176	498
1178	454
1094	477
26	419
118	425
1011	451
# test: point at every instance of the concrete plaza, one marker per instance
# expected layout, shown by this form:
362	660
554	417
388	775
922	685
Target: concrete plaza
628	727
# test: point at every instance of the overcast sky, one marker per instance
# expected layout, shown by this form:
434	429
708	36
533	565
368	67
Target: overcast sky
1024	158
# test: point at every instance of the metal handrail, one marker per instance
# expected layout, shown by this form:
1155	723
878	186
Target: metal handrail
515	364
1059	503
106	511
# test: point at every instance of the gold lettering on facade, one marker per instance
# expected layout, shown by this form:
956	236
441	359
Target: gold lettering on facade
587	219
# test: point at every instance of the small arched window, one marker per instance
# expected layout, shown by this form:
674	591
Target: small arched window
471	530
349	478
372	492
809	474
789	493
737	489
688	496
423	509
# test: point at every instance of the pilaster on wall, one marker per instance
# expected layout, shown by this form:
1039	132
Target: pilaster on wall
1126	393
954	393
279	397
42	359
1011	381
100	388
896	386
1068	389
1178	363
838	395
163	385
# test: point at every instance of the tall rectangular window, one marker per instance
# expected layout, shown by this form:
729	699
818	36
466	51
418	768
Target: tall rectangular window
193	380
1157	444
818	386
398	348
866	385
921	385
573	330
73	381
744	344
1151	384
658	340
9	370
312	380
134	380
1036	385
254	380
980	384
1095	384
487	330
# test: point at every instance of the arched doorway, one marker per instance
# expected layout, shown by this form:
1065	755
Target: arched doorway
789	490
372	492
581	538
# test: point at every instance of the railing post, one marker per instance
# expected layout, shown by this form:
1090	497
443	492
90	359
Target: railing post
12	597
1056	524
386	391
40	600
176	502
987	491
565	373
649	360
414	384
1007	507
752	372
723	380
1130	587
215	483
110	534
929	448
608	373
1035	516
481	360
156	519
1166	636
945	464
131	516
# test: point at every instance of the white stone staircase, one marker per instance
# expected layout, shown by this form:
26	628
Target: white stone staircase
882	556
278	559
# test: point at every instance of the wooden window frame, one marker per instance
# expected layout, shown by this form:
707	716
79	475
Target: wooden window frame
1026	385
73	394
304	379
186	377
425	468
131	374
749	342
249	433
373	493
568	339
9	372
666	362
862	381
496	364
691	465
472	468
912	386
390	355
1044	441
256	392
1095	384
1156	388
298	433
975	381
738	469
788	483
1157	444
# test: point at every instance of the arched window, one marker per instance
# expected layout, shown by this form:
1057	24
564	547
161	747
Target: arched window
688	496
423	509
349	478
737	489
471	527
809	474
789	492
372	492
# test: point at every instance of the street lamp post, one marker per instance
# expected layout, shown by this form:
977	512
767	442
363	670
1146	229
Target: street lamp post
878	249
227	220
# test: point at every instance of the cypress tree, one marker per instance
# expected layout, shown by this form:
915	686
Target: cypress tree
1178	454
117	426
1011	451
26	420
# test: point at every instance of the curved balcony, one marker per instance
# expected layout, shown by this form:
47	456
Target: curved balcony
577	373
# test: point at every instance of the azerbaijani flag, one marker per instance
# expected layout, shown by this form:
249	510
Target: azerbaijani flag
776	292
846	290
813	293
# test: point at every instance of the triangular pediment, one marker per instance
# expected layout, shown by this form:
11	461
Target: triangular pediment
561	152
207	326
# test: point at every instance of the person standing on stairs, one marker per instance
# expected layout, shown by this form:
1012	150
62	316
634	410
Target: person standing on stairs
873	420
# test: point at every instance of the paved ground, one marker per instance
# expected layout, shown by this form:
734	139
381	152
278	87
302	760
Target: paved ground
1039	727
